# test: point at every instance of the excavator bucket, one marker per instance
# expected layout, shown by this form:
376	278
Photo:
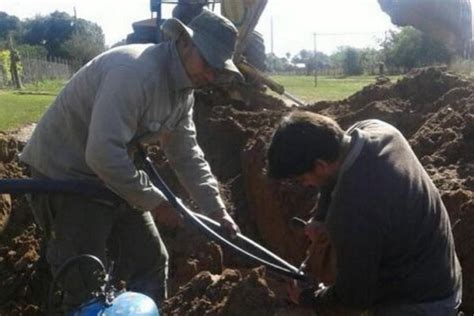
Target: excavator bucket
448	21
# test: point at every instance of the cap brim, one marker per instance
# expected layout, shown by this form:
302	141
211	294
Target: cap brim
231	67
212	57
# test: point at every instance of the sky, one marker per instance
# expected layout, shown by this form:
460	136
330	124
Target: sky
358	23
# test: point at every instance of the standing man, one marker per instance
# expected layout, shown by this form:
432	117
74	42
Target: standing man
130	95
384	216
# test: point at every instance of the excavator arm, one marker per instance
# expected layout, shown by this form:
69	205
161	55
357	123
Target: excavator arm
245	15
249	54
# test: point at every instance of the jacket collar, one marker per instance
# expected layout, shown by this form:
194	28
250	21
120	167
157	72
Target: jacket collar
178	74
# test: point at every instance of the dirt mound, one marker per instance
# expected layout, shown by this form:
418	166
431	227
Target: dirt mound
23	276
8	150
229	293
432	108
189	258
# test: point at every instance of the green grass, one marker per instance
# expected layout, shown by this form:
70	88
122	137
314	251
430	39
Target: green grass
328	88
45	87
19	108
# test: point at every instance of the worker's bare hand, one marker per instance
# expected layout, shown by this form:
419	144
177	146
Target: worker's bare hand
227	222
293	291
313	229
167	215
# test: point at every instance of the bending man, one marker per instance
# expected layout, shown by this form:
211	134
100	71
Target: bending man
136	94
390	230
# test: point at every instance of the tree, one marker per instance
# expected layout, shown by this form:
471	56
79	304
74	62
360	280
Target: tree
351	63
370	59
312	61
274	63
15	65
8	24
37	51
349	59
411	48
64	36
50	31
86	41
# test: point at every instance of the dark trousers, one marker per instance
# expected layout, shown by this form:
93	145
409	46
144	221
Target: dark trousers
75	225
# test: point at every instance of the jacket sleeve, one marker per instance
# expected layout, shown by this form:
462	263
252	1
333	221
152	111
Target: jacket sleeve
187	159
356	232
114	119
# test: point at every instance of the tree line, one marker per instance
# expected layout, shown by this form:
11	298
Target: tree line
57	35
62	36
398	53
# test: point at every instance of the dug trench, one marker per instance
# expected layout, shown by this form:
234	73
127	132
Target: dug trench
432	108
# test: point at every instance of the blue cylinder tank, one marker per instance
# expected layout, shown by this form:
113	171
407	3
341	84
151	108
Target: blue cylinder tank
125	304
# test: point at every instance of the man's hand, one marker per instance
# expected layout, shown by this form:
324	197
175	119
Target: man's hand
167	215
313	229
293	291
305	294
226	222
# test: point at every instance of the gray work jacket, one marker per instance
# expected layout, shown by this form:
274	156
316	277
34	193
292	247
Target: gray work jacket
130	94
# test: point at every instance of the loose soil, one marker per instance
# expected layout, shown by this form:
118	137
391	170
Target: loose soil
432	108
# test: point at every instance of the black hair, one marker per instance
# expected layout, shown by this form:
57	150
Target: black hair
300	139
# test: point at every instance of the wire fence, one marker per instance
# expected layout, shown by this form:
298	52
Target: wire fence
37	69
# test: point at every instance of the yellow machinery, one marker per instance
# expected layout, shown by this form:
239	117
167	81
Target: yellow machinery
250	50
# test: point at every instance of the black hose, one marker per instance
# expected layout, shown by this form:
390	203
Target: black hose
286	268
259	254
257	250
278	265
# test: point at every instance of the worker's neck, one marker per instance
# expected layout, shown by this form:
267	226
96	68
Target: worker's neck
336	165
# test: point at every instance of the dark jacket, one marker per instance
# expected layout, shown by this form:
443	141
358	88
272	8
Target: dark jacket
389	227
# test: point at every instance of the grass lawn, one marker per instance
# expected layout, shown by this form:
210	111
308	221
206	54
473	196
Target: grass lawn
19	108
328	88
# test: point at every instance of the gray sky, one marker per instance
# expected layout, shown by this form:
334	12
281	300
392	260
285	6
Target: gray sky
337	22
294	21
